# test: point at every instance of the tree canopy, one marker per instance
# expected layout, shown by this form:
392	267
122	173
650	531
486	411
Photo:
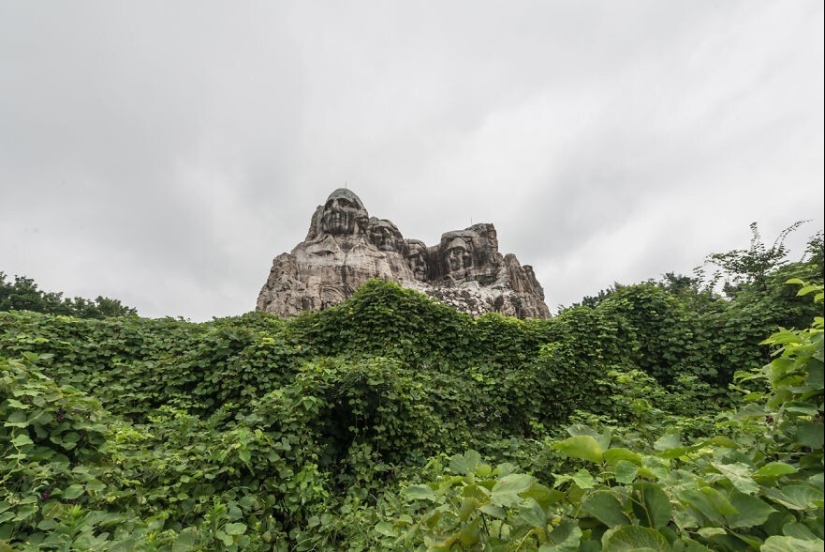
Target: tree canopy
23	294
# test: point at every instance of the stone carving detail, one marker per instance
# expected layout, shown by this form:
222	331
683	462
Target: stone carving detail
344	248
385	235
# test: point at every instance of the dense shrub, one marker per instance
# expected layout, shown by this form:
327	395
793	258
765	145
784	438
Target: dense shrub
356	427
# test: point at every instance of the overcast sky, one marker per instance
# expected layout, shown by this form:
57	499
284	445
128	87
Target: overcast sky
162	153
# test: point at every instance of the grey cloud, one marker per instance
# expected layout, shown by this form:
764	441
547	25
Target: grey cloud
164	153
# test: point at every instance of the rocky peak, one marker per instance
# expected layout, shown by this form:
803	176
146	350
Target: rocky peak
345	247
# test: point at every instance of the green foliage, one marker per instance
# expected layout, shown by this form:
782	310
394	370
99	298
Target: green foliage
391	422
815	253
23	294
752	267
762	489
384	319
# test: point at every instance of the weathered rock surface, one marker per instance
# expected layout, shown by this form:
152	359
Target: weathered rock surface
345	247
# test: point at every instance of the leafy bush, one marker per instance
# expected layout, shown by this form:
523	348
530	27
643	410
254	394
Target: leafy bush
354	428
761	490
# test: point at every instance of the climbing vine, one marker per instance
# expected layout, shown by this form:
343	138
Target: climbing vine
659	416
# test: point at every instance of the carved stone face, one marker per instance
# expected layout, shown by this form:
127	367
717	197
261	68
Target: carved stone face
458	255
417	260
492	237
384	235
342	212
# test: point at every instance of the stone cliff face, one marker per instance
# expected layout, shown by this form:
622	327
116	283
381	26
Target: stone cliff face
345	247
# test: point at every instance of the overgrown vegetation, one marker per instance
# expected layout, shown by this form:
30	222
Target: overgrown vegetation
23	294
660	416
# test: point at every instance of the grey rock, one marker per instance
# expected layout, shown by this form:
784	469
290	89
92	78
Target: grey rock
344	248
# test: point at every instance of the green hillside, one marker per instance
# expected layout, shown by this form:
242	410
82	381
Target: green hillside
656	416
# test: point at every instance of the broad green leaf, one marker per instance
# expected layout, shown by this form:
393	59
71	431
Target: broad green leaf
385	528
506	468
626	472
690	545
506	490
468	506
470	533
739	475
604	506
773	470
532	514
185	540
544	495
18	418
493	510
418	492
785	544
816	375
676	452
805	290
73	491
51	509
798	531
602	438
752	511
670	446
668	441
47	525
651	505
581	446
797	497
583	479
615	455
473	490
25	512
710	532
236	528
634	539
804	406
465	464
709	503
232	513
248	501
227	539
722	441
95	485
810	434
22	440
566	537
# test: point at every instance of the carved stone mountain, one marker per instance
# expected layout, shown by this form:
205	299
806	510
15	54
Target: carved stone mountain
345	247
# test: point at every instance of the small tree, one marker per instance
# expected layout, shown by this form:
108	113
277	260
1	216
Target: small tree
23	294
752	266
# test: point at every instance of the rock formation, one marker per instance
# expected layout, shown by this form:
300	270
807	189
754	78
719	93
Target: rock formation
345	247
